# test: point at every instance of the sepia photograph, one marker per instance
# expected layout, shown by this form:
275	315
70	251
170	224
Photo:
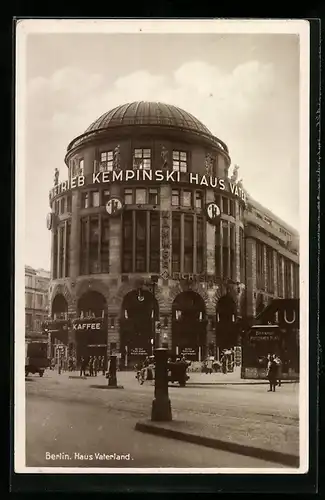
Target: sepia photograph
161	246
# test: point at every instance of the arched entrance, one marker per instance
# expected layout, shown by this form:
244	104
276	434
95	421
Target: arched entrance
90	327
227	330
59	327
139	314
189	325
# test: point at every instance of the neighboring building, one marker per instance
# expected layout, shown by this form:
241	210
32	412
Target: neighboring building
151	241
272	258
37	283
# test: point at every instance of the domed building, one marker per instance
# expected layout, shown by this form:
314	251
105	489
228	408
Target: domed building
148	239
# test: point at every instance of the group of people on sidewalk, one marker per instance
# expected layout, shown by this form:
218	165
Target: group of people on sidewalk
274	371
92	366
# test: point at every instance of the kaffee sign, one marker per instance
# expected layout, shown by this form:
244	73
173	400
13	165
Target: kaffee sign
162	176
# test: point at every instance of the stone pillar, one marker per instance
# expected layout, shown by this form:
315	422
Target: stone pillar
75	235
165	232
265	280
275	273
283	278
291	280
250	276
115	238
210	239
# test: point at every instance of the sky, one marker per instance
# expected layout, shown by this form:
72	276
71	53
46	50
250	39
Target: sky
244	88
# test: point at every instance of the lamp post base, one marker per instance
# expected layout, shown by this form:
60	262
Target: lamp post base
161	410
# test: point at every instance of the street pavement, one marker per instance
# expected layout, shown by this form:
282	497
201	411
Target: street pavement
70	415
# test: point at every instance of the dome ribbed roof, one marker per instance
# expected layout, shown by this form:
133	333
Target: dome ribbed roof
148	113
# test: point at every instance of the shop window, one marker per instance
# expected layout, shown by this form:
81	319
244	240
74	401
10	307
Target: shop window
188	244
225	205
127	242
198	199
81	166
128	196
187	199
225	252
94	245
106	161
95	198
180	161
140	196
104	252
84	200
61	252
232	252
260	265
232	208
55	255
69	203
270	269
141	247
153	196
67	249
175	198
287	278
106	196
29	321
199	245
62	206
242	254
142	159
141	241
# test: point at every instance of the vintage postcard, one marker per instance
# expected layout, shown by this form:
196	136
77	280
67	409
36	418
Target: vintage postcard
162	208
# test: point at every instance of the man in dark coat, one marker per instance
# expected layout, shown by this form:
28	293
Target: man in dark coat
83	366
272	370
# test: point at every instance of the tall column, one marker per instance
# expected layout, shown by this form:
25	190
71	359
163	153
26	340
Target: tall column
115	237
275	272
75	234
291	280
210	239
264	278
250	276
283	278
165	233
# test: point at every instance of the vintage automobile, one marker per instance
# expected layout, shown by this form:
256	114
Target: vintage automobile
177	372
36	360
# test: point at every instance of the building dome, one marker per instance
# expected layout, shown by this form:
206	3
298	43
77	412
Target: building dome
148	113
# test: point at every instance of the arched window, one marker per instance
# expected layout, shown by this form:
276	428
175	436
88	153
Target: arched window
91	305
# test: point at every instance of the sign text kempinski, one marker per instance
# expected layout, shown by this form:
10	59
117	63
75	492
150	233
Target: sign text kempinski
149	175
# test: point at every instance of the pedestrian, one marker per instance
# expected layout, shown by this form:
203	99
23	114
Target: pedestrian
91	366
272	372
209	364
224	363
83	366
103	365
95	365
279	369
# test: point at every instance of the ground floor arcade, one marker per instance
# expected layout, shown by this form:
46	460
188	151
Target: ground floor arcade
135	320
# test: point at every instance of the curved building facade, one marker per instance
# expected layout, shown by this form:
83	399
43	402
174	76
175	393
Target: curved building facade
148	238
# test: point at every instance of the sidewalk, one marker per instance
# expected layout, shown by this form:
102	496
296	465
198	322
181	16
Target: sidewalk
267	440
231	378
